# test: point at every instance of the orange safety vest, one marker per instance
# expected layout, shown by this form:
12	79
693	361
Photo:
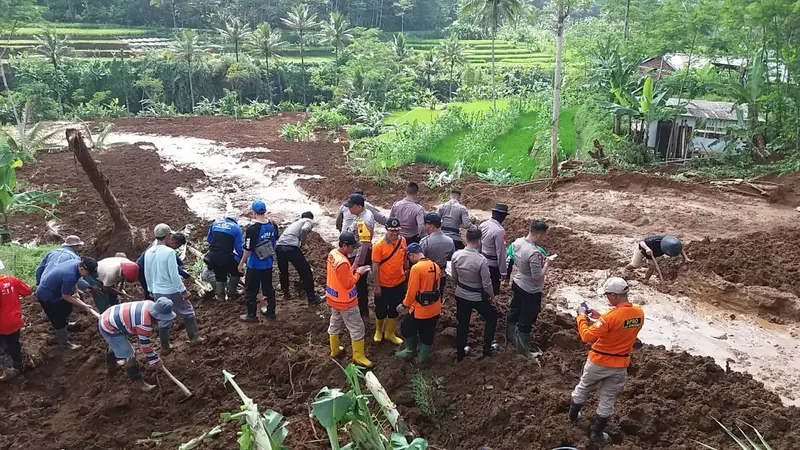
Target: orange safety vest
613	335
340	288
425	276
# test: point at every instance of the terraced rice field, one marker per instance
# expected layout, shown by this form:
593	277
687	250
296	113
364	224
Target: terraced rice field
479	52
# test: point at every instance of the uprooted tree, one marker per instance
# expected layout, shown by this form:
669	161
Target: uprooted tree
100	182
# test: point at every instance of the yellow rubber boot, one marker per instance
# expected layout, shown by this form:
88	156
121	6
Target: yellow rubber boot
336	349
388	333
358	354
379	324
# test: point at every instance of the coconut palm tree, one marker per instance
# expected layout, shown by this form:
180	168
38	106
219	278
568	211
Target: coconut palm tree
187	47
301	20
267	42
492	13
236	32
336	32
429	66
453	54
400	47
54	48
25	138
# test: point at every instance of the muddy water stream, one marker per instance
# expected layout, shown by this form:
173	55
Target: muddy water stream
765	350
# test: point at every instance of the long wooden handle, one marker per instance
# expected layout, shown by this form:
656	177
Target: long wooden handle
658	269
177	382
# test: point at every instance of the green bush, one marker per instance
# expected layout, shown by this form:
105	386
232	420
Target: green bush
359	131
592	122
327	118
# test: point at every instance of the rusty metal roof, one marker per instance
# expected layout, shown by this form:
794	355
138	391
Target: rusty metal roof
708	109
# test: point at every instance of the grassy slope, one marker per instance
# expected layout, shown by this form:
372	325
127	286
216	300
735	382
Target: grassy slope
22	261
513	147
425	115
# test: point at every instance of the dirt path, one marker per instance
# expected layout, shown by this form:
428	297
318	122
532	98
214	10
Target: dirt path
66	401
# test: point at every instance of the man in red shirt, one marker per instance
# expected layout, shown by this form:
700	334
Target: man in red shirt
11	320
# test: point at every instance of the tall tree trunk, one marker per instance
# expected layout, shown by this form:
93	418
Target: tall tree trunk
99	181
236	50
402	22
494	90
3	73
556	97
303	66
191	86
269	84
174	15
627	15
450	84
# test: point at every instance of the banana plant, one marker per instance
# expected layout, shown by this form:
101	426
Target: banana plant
643	109
12	202
749	93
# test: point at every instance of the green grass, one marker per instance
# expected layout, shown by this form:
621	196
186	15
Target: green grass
445	152
423	114
566	130
22	261
89	31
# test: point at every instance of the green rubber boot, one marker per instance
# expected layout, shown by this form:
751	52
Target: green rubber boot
424	352
410	350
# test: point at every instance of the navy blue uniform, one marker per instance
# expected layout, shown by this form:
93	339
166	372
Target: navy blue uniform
259	271
225	249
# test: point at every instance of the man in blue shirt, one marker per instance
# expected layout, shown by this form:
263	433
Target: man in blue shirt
163	280
224	253
68	252
174	241
56	294
259	254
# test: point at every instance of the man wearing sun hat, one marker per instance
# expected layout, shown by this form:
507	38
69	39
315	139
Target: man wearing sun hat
612	335
56	294
493	244
68	252
119	322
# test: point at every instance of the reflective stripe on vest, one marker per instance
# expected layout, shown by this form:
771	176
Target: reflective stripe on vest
335	294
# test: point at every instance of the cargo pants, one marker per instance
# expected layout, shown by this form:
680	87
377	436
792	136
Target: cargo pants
609	381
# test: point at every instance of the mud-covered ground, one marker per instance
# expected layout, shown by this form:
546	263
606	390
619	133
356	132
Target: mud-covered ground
743	255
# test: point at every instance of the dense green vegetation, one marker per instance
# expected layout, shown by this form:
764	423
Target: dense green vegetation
376	69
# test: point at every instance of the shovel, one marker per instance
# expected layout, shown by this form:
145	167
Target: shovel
186	392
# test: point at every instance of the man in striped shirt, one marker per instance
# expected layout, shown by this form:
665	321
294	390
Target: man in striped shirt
120	322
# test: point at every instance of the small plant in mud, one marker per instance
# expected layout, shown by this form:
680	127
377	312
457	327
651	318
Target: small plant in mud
299	132
335	408
424	390
744	442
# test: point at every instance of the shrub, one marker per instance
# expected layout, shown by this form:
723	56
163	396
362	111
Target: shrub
299	132
359	131
287	106
327	118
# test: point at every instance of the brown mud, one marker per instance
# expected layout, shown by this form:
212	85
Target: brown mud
66	401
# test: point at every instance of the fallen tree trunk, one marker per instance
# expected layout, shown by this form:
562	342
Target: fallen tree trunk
100	182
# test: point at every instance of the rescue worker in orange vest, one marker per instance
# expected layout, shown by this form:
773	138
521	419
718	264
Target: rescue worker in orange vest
613	335
423	300
342	296
389	273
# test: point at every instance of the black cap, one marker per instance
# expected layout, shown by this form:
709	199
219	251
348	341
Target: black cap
349	239
455	191
433	219
355	199
89	264
393	223
358	191
501	208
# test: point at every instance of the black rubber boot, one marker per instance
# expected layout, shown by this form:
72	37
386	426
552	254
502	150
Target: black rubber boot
597	434
135	375
523	344
111	363
163	337
511	333
574	411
